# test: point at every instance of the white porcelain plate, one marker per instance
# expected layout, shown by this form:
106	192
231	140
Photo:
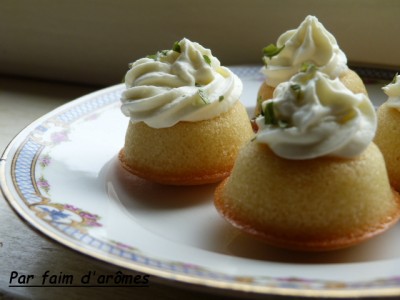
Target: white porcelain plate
61	175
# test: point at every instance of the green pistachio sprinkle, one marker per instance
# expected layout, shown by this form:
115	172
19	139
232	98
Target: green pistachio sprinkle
164	52
269	114
158	54
308	67
296	89
271	50
207	59
152	56
309	71
270	117
221	98
304	67
203	96
176	47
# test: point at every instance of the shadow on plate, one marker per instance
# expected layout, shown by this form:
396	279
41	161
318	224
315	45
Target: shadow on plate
381	247
187	216
153	195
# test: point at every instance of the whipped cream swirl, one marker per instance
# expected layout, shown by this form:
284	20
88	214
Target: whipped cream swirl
312	115
392	90
310	43
183	84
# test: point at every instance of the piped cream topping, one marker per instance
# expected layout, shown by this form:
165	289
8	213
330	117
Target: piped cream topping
310	43
312	115
186	83
392	90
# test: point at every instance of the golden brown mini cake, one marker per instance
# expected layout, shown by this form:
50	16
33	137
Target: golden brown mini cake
310	43
311	179
187	153
186	121
388	132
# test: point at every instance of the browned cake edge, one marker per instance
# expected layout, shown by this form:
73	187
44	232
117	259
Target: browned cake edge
178	179
322	243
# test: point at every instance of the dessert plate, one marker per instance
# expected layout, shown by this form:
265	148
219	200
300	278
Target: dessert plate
61	174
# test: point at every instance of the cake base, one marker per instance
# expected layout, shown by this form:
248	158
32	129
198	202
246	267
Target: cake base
319	204
317	244
387	138
185	179
188	153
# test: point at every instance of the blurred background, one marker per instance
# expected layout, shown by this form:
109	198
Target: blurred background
92	41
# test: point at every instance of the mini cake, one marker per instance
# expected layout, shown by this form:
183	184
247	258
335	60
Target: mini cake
186	121
311	179
310	43
388	132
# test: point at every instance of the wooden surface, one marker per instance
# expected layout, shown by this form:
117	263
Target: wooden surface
26	251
